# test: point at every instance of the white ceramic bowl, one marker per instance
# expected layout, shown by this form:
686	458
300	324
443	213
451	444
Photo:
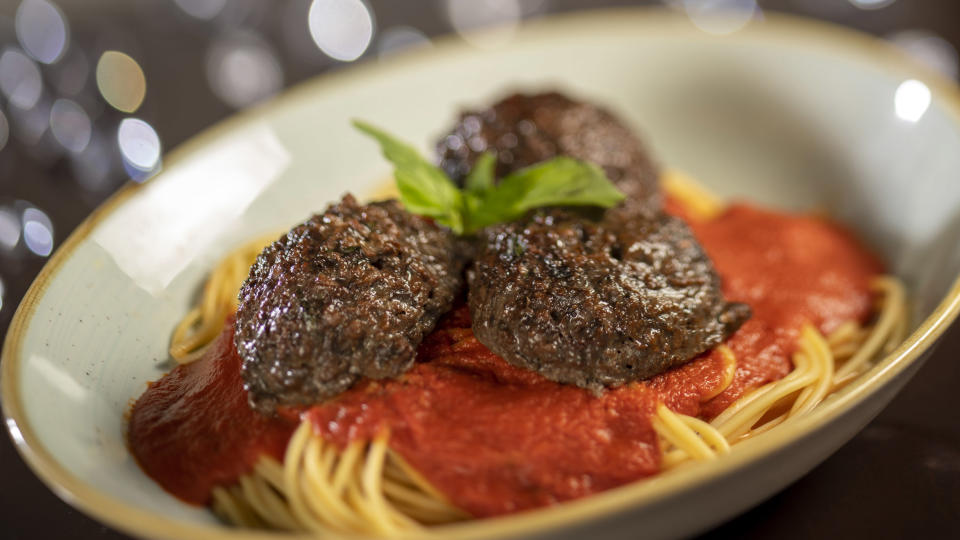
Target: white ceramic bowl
786	112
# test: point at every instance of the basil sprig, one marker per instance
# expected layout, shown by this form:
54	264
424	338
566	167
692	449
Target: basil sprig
428	191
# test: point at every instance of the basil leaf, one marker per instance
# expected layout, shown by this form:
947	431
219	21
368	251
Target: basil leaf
424	188
561	181
480	179
427	191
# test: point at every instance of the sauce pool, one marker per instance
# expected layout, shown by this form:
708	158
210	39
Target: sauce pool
495	438
193	430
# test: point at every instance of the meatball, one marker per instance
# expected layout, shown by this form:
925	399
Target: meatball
348	294
594	306
522	130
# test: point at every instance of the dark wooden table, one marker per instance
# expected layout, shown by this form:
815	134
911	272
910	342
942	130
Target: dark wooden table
898	478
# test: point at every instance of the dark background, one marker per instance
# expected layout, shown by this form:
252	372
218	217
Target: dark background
59	158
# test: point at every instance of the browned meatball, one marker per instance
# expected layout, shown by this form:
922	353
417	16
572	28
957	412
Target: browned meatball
348	294
523	129
588	305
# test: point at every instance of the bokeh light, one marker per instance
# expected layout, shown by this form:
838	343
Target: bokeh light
139	146
485	23
42	30
37	232
871	4
20	79
296	40
70	125
911	100
721	17
929	49
121	81
399	38
9	229
202	9
341	28
242	69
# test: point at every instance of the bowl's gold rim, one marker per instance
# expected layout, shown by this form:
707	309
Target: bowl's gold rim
134	520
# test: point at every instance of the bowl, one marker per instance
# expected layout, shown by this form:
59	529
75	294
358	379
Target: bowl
786	112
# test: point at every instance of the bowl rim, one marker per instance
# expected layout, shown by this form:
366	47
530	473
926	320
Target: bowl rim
775	26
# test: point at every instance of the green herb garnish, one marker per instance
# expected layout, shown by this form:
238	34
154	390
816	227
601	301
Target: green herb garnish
428	191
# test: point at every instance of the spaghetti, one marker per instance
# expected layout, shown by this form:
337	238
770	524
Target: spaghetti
365	487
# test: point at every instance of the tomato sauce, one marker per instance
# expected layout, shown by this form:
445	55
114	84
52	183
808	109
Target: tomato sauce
790	269
497	439
193	430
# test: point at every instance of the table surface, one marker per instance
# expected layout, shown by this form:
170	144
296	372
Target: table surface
899	477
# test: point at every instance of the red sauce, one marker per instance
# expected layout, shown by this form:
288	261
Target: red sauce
192	430
497	439
790	269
